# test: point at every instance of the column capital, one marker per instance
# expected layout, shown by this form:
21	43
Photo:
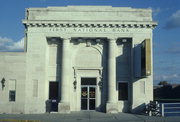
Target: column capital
66	38
112	38
53	40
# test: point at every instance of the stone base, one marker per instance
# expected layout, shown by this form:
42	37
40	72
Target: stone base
111	108
64	108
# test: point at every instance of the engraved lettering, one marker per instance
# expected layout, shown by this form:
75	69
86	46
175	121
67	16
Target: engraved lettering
95	30
75	29
90	30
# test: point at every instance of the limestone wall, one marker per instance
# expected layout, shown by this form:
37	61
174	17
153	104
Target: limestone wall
37	85
13	70
83	13
142	87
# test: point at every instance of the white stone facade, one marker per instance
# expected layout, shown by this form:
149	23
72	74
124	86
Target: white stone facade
88	51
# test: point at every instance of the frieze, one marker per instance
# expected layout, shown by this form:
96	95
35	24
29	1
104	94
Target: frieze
89	30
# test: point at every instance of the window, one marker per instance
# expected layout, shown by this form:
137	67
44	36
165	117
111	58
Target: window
123	91
12	95
146	58
12	90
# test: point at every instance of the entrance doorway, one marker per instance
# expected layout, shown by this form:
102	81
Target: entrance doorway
53	96
88	93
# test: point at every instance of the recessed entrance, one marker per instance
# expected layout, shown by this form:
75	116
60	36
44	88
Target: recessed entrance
88	93
53	96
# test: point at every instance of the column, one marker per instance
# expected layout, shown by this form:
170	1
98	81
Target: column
64	105
111	106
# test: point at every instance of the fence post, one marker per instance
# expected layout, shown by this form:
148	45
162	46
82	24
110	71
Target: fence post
162	109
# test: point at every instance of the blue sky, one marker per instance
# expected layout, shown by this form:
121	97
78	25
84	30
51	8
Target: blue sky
166	34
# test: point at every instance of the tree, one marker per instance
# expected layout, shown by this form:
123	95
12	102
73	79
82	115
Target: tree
164	83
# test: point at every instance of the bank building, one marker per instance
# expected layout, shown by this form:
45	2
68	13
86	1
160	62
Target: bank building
80	58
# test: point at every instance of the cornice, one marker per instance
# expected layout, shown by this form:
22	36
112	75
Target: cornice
90	25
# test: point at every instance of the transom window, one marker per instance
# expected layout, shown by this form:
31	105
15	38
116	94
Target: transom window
88	81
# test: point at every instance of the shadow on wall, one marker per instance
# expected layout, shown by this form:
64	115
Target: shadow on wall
126	107
101	108
48	106
104	64
123	61
139	109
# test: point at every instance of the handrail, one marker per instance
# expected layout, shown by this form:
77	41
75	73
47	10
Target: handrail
170	110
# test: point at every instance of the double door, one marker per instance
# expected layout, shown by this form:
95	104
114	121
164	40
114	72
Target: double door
88	97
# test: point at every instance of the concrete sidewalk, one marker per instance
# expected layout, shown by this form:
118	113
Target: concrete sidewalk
85	117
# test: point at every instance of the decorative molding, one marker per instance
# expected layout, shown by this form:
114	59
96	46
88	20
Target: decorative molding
96	25
87	68
112	39
88	43
53	40
76	69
